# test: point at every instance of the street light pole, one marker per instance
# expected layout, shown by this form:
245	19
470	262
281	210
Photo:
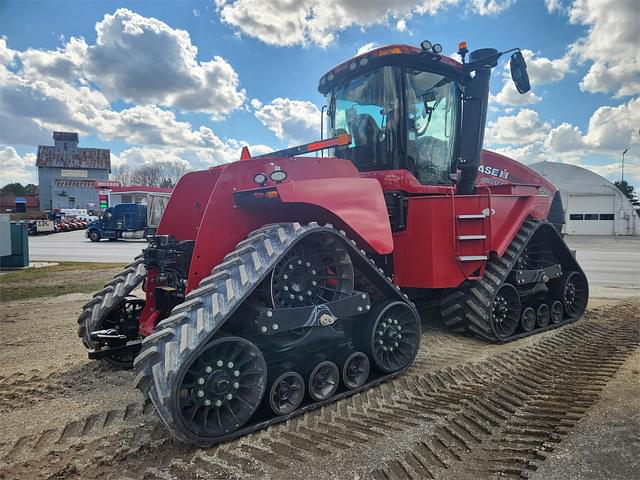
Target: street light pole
623	154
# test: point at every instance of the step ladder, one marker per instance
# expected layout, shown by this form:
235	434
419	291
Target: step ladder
478	241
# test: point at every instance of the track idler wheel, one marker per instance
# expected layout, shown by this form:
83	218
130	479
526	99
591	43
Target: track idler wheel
557	311
574	294
286	393
528	320
392	336
323	381
222	387
316	270
543	315
355	370
505	311
125	319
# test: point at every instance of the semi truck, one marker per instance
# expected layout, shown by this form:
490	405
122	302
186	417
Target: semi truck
128	221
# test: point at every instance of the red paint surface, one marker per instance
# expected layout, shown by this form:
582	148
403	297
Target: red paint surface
203	207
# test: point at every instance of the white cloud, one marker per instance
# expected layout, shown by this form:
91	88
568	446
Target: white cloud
295	121
367	47
16	168
63	64
565	138
301	22
145	61
508	95
6	54
527	139
401	26
523	128
490	7
196	12
610	45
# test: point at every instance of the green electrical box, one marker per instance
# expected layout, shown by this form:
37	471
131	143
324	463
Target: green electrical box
19	239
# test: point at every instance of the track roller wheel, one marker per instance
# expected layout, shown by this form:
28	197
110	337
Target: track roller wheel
505	311
574	294
557	311
222	387
543	315
392	338
286	393
355	370
323	381
528	320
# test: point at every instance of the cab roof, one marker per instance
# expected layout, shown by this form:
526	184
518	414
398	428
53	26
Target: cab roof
395	50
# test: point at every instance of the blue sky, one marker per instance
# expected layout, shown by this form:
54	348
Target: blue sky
193	81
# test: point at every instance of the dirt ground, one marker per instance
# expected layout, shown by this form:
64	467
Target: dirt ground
561	404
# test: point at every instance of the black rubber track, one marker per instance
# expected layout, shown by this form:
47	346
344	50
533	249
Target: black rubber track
468	309
103	301
205	309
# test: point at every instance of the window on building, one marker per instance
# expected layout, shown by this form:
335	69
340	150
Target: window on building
126	199
607	216
591	216
576	216
72	199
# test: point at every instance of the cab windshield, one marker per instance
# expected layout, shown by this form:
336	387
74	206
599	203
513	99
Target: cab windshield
369	108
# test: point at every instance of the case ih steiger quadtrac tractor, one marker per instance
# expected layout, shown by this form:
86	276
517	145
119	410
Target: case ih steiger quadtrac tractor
279	283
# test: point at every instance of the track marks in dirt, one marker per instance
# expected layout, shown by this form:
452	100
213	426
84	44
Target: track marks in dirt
20	390
95	425
508	432
500	416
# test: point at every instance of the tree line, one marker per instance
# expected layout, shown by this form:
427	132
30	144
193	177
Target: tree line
157	174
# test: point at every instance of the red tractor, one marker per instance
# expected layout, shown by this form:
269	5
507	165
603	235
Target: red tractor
279	283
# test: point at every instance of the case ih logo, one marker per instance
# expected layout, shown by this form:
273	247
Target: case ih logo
495	172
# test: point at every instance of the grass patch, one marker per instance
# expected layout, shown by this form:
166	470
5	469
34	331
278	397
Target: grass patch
25	292
67	277
34	273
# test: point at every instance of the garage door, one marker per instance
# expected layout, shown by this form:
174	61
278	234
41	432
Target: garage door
591	215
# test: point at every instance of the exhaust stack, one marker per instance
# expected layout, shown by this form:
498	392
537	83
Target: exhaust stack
474	116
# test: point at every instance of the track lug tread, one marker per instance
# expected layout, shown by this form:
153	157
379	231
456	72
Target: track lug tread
207	307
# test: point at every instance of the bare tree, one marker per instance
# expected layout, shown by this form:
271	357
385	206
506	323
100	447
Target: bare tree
122	174
157	174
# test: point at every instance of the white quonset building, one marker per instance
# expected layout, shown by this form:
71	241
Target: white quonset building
593	205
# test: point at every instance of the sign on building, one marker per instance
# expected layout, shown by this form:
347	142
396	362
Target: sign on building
74	173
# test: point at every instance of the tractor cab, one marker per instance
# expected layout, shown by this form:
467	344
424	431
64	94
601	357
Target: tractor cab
413	109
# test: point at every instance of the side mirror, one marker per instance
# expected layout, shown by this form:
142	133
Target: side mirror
519	73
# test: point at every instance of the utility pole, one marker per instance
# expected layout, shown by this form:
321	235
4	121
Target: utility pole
623	154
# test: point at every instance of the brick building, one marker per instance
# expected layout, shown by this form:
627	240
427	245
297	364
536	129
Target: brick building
67	174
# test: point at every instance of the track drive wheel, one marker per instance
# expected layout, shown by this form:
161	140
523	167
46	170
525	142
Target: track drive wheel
505	311
221	388
574	294
286	393
125	319
392	336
